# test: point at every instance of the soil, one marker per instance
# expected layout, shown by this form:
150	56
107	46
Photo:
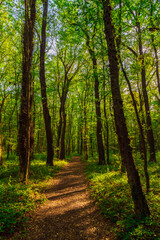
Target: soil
69	213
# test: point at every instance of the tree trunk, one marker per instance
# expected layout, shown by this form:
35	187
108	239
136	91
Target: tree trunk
32	135
25	115
157	65
61	127
59	132
97	104
81	136
1	146
146	101
47	118
106	131
10	133
155	49
69	136
1	132
142	137
85	130
140	203
62	148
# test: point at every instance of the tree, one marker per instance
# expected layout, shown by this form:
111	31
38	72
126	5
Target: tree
140	203
47	118
25	111
97	103
136	18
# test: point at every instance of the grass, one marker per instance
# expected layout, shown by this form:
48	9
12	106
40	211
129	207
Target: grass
17	199
110	190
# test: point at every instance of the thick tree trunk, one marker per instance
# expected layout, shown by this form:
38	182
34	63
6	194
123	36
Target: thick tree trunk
47	118
140	204
25	115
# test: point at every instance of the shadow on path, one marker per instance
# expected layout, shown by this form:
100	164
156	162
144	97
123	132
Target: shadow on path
69	213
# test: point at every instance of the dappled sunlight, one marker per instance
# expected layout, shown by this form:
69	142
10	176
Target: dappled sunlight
68	213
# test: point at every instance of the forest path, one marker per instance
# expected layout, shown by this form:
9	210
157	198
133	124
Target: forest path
69	213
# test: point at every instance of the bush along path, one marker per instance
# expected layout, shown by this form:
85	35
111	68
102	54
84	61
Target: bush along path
69	213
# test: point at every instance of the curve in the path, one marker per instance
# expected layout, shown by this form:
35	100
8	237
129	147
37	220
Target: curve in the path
69	213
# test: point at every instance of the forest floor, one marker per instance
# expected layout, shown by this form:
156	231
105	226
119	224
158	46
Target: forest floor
69	213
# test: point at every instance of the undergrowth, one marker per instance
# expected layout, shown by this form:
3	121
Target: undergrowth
17	199
110	190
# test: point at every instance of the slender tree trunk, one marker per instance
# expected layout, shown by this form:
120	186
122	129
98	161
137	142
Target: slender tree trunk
97	104
142	137
146	101
47	118
69	136
61	127
25	110
140	203
81	136
62	119
85	130
157	64
1	132
106	131
155	49
78	138
59	132
1	140
10	132
91	137
9	140
32	130
107	138
62	152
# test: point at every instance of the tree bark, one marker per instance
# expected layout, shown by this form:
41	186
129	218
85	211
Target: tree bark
146	101
142	137
97	104
62	152
62	125
85	129
140	203
155	49
25	115
47	118
1	131
10	132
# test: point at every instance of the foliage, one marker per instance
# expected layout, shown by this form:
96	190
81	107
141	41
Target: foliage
17	199
110	190
70	24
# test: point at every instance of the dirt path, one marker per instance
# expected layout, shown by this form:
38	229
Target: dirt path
69	214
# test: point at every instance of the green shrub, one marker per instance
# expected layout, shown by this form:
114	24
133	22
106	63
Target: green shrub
110	190
17	199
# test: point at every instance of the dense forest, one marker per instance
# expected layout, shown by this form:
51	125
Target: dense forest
81	77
